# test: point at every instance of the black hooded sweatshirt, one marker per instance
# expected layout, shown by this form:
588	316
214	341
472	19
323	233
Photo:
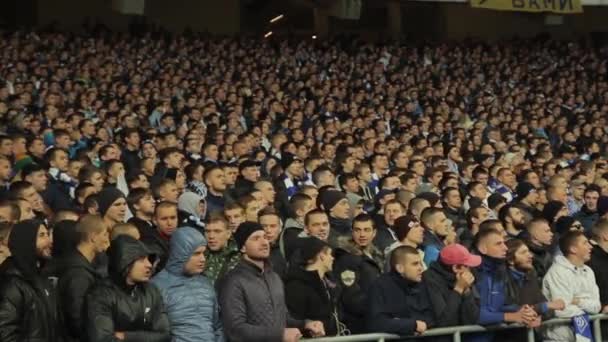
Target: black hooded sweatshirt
113	305
27	304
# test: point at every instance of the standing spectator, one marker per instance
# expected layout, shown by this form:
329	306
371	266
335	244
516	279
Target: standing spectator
540	243
112	206
588	215
215	181
271	222
574	282
57	194
23	288
309	293
127	307
599	258
399	304
252	296
576	198
79	274
221	253
142	206
437	227
491	284
188	295
358	263
450	282
335	204
165	220
409	232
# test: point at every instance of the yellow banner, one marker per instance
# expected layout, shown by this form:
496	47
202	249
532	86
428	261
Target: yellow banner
555	6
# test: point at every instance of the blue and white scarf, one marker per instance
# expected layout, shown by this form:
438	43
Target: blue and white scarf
582	328
292	188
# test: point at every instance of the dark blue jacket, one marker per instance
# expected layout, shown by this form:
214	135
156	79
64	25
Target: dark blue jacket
491	285
395	304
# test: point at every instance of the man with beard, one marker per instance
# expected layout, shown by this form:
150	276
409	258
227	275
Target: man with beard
252	296
513	220
78	274
127	307
181	281
358	263
573	281
27	306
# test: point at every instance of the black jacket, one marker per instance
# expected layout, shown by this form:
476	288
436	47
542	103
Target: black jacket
145	228
599	265
449	307
355	272
158	245
309	297
457	216
57	195
27	311
542	259
113	305
278	261
76	277
27	299
131	160
396	304
385	235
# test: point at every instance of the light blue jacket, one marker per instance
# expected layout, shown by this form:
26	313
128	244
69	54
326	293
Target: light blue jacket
191	301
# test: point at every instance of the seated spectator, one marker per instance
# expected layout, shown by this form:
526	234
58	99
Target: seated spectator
189	296
308	292
513	220
128	305
398	302
449	282
574	282
358	263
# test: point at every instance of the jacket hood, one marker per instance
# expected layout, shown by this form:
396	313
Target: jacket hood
123	252
347	244
183	244
444	271
189	203
22	244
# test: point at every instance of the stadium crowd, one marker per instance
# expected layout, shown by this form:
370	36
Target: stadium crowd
189	188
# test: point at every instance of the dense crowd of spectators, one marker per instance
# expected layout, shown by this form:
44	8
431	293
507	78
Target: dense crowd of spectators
188	188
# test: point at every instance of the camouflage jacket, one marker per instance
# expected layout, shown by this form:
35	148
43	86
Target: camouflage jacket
220	262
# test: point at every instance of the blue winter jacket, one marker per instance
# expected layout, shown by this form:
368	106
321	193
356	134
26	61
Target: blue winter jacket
191	301
490	284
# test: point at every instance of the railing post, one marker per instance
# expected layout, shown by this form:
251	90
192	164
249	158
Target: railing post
531	335
457	337
597	330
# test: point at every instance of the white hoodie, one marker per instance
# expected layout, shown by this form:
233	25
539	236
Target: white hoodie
566	281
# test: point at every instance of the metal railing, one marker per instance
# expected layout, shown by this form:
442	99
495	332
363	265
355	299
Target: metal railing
458	331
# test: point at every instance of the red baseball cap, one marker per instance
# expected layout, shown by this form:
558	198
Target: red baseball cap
457	254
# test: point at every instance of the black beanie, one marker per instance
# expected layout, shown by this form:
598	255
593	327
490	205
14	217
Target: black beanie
245	230
310	247
106	197
329	199
563	224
